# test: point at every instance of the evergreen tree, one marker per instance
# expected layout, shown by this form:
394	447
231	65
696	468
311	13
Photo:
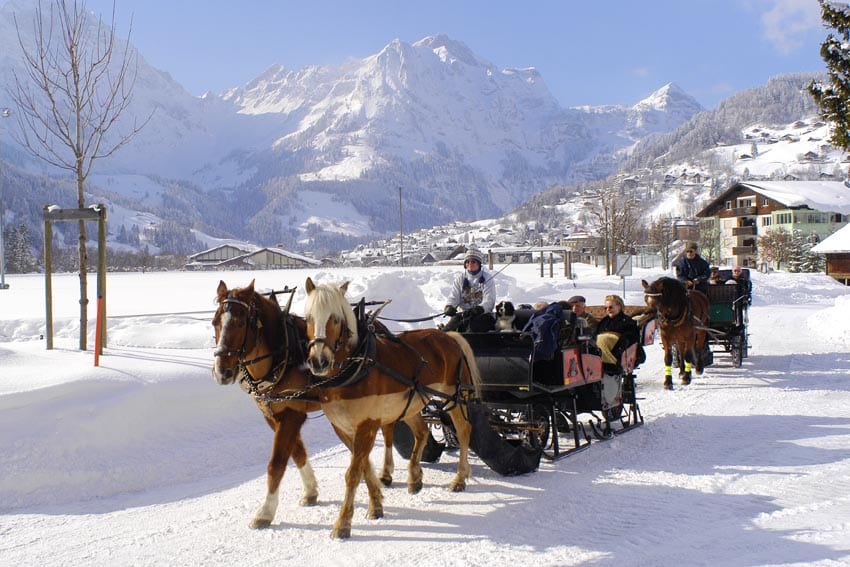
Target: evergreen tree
834	98
796	252
22	250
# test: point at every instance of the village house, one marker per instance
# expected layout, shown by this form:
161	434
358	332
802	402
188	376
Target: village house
746	210
836	249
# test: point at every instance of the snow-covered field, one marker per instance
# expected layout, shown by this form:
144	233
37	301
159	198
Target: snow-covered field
144	460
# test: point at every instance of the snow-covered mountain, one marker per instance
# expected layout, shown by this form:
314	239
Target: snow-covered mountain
324	150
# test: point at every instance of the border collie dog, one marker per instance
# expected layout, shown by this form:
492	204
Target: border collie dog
505	315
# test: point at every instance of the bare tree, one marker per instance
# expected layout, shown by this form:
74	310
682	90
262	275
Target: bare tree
618	219
78	82
661	235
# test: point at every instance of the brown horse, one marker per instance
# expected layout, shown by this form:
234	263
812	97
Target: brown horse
373	379
682	317
263	348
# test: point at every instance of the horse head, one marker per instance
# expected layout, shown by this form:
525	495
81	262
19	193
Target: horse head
241	323
665	295
331	327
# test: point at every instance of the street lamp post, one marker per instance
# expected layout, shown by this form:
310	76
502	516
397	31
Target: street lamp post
4	113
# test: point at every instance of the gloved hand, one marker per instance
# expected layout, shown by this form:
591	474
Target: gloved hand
449	310
476	311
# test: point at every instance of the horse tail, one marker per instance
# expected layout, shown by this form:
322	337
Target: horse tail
469	361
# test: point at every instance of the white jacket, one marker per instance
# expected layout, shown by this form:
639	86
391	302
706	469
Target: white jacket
470	290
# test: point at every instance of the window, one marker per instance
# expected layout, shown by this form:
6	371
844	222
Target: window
728	205
745	202
783	218
765	221
764	202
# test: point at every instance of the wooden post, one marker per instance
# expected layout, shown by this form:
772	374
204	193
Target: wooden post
48	284
551	265
101	274
541	258
93	213
98	328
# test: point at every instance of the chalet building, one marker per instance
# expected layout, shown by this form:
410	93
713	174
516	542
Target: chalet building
248	257
748	209
836	249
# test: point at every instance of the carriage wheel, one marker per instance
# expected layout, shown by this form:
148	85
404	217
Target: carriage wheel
737	351
744	343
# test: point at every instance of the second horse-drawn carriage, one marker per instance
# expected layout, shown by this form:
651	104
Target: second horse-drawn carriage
728	303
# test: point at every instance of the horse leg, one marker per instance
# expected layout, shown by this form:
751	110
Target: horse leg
463	429
388	432
688	359
361	444
701	344
376	497
420	439
668	368
287	427
310	486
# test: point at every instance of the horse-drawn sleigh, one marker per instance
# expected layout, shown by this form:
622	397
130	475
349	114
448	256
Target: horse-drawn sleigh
492	391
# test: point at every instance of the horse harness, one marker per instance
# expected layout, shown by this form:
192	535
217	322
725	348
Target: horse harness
358	365
259	388
684	315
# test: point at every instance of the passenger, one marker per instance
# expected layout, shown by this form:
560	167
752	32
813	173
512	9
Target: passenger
715	277
615	333
474	293
579	306
745	286
692	269
540	305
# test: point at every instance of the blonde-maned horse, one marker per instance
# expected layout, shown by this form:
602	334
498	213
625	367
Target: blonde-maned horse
375	379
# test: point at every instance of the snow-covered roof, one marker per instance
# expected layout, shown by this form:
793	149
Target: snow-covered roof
839	241
824	196
288	254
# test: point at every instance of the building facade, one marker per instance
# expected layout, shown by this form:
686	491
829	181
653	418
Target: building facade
735	219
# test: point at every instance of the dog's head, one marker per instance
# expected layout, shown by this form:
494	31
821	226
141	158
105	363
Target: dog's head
505	309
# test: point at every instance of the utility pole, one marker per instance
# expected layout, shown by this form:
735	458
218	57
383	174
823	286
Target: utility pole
400	231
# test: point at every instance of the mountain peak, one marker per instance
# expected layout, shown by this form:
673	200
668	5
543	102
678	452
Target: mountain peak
448	49
667	98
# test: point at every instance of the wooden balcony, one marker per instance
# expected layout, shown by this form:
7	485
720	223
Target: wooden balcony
744	211
744	231
742	250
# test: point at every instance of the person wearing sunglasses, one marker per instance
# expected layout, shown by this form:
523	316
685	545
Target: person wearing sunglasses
615	333
692	269
473	297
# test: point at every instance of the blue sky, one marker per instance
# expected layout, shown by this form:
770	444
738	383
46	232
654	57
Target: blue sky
588	52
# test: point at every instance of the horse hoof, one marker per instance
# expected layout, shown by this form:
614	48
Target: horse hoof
686	379
414	488
341	533
259	524
375	514
387	481
309	501
457	486
668	383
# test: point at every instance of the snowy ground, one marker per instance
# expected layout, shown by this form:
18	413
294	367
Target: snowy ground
146	461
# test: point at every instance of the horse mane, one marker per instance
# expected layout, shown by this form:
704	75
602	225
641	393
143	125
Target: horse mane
328	300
